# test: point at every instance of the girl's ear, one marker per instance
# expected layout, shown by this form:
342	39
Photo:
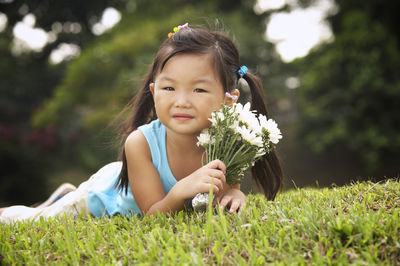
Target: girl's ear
231	97
151	87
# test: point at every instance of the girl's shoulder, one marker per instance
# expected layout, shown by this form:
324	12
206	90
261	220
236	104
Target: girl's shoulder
137	145
146	141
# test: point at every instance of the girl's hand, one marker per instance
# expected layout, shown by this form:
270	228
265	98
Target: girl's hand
233	198
211	175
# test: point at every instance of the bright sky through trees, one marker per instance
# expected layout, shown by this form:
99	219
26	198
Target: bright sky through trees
27	37
294	33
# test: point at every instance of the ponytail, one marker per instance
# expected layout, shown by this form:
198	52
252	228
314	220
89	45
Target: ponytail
267	171
143	112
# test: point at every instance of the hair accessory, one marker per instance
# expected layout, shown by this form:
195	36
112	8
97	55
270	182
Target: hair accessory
176	29
230	96
242	71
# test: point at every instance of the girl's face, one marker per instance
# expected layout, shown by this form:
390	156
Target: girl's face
186	92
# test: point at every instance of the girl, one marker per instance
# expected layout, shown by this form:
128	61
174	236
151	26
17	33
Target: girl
161	168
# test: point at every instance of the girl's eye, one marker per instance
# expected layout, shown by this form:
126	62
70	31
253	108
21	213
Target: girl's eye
199	90
169	89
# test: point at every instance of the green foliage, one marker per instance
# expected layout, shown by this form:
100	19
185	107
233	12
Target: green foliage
28	154
21	147
350	89
357	224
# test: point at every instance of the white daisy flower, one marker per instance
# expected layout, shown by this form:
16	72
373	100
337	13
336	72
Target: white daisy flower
213	119
250	136
254	124
248	117
271	127
234	125
260	153
204	138
220	116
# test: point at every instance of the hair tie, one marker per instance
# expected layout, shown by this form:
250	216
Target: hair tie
242	71
176	29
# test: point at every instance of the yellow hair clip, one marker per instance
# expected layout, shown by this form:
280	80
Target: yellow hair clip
176	29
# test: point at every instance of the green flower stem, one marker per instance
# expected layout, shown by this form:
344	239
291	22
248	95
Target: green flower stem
231	141
236	154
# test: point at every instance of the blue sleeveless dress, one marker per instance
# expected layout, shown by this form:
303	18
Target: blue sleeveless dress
105	200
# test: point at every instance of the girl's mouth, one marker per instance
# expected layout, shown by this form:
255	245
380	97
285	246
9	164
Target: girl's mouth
182	117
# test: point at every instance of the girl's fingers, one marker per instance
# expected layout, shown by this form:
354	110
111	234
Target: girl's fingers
241	208
217	174
216	189
224	202
217	164
217	199
205	188
214	176
234	206
217	182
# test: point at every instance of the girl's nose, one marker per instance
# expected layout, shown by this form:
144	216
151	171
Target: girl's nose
182	100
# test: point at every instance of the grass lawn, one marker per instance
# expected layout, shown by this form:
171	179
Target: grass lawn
356	224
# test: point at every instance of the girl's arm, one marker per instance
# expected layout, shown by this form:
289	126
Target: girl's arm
147	187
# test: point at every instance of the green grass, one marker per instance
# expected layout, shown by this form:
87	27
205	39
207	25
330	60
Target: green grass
356	224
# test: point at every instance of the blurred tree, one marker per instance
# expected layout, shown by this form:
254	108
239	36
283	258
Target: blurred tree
350	88
27	78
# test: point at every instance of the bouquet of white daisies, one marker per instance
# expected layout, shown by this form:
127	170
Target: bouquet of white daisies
238	137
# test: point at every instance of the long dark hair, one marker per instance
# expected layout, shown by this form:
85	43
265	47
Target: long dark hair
196	40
